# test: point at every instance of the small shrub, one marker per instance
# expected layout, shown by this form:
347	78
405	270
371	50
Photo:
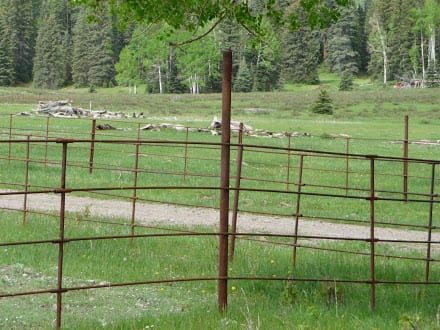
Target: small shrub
324	104
346	83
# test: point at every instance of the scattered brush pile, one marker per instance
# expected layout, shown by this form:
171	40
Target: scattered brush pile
64	109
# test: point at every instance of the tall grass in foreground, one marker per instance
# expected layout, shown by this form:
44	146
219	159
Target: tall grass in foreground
253	304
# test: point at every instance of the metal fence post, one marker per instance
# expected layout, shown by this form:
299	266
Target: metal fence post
372	235
236	192
297	211
431	210
92	145
224	181
26	179
61	241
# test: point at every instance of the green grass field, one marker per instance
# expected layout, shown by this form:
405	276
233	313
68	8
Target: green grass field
373	117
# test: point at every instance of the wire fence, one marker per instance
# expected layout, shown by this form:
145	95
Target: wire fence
53	162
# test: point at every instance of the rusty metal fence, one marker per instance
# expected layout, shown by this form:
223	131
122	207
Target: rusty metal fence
285	182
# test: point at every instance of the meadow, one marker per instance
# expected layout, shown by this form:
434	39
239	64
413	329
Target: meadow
371	116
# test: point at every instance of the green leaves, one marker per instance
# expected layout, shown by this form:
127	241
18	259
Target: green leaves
192	14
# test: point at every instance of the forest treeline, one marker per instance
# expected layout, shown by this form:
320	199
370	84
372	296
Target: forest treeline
52	44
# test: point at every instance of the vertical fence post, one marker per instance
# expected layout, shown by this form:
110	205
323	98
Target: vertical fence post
46	144
431	210
347	164
405	161
372	235
26	179
224	182
185	156
289	152
92	145
134	197
236	192
61	242
297	211
10	138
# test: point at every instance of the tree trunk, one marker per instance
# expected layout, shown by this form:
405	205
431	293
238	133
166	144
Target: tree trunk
384	51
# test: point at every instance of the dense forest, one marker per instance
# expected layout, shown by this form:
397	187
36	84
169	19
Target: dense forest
52	44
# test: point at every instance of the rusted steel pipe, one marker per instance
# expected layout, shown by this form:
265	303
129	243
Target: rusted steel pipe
236	192
297	212
289	153
431	209
92	145
61	234
46	144
26	180
185	157
224	181
372	236
10	139
134	197
405	162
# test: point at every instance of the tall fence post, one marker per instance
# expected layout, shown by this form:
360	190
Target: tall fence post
405	161
92	145
10	138
347	164
372	235
236	192
61	242
134	197
297	210
431	210
224	181
46	144
185	156
289	153
26	179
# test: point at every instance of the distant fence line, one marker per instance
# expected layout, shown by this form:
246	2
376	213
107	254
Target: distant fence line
299	174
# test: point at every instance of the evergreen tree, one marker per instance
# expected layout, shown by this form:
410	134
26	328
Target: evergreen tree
7	72
401	39
52	45
346	83
243	80
300	56
17	39
342	55
174	83
92	61
324	103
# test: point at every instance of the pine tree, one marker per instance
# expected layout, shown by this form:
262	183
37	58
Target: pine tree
324	103
300	56
401	39
92	60
7	72
342	55
17	39
51	59
346	83
243	80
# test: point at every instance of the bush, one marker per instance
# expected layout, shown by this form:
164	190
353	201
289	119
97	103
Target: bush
324	104
346	83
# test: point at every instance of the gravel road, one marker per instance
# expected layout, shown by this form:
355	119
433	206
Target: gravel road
152	213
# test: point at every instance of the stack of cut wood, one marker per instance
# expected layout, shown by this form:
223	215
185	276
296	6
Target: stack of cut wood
64	109
61	108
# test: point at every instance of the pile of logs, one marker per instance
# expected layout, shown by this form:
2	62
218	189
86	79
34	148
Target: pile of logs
65	109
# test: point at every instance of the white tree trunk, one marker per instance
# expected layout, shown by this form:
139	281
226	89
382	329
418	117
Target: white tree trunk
431	48
160	79
384	51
